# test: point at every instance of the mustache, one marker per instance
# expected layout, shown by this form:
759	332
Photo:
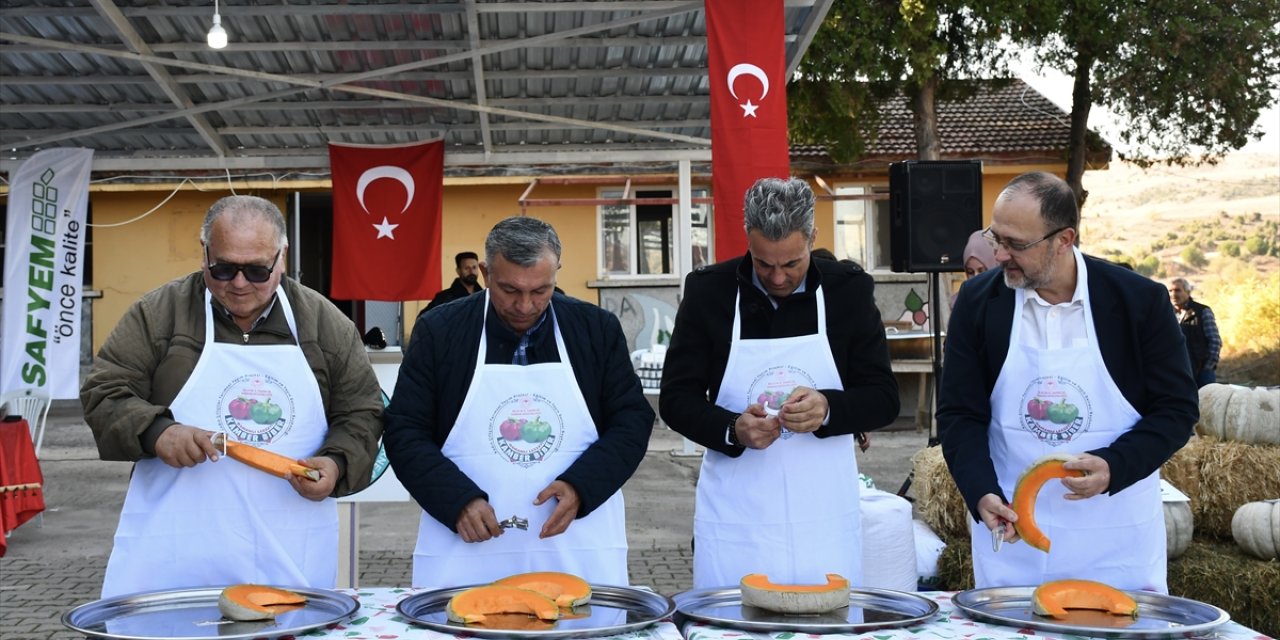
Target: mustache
470	279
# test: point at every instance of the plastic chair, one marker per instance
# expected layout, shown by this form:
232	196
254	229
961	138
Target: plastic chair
33	406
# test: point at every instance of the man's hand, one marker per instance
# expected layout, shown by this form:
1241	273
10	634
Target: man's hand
477	522
994	512
804	411
181	445
316	489
566	507
756	429
1095	481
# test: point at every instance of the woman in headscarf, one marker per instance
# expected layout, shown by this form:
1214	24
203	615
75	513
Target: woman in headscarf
978	257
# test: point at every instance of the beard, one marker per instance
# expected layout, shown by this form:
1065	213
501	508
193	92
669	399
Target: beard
1039	277
470	280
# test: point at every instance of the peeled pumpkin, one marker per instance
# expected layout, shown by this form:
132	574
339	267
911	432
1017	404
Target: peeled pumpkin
565	589
1028	489
257	602
263	460
758	591
475	604
1256	528
1052	599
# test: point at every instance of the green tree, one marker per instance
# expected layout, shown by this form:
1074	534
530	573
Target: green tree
1192	256
1231	249
1184	75
1147	266
1257	245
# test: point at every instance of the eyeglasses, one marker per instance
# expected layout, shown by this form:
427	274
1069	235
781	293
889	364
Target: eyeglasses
226	271
1016	247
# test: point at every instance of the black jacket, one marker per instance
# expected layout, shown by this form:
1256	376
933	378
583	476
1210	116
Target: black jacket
1141	347
455	291
699	351
437	371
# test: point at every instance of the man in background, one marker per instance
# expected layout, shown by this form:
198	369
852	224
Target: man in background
467	266
1204	343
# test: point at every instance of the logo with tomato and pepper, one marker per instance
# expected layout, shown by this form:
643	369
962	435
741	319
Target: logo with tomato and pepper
525	429
256	409
774	386
1055	409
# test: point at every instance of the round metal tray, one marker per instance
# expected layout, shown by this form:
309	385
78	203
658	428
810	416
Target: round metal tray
610	611
192	614
868	609
1159	615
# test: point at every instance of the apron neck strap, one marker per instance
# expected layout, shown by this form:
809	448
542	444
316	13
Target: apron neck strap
482	351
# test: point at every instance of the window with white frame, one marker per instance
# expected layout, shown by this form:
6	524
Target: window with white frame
639	239
862	227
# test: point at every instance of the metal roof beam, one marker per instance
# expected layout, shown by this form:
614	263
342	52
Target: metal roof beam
111	13
477	71
322	105
398	9
334	78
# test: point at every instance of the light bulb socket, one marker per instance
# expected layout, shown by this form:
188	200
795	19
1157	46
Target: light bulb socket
217	35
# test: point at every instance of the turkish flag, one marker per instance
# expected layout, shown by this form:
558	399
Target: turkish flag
387	203
746	63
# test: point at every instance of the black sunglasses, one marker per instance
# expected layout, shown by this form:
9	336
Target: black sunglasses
226	271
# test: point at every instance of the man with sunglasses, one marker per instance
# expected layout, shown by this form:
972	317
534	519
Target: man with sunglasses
239	350
1055	352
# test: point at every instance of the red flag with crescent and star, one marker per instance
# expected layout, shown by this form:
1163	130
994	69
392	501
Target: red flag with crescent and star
746	62
387	204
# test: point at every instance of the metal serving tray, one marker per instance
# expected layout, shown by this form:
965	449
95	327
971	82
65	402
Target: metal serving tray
868	609
193	614
610	611
1159	615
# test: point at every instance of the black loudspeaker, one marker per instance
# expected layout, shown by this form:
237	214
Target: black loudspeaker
933	208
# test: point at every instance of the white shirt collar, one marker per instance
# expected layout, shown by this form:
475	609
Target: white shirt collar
755	280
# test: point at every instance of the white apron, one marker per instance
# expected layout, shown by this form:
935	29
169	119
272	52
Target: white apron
225	522
789	511
1118	540
519	428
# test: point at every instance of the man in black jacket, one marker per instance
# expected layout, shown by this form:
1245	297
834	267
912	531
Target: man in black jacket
518	408
1200	329
776	361
467	266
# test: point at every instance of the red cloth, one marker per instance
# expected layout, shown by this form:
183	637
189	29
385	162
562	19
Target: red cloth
746	66
387	203
21	483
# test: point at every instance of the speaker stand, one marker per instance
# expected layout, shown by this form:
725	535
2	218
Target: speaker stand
935	322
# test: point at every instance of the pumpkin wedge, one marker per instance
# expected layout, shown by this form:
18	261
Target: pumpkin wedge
257	602
475	604
758	591
565	589
263	460
1028	489
1053	599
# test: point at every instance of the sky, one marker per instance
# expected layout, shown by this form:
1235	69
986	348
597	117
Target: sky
1056	86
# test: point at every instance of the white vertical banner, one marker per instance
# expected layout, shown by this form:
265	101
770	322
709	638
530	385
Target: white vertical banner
44	273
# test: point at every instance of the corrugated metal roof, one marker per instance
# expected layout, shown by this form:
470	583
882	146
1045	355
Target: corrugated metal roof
500	82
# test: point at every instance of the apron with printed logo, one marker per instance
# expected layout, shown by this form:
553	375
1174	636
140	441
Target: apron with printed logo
221	523
519	428
1063	401
791	510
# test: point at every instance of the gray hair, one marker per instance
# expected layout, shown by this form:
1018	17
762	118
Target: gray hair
1057	200
779	207
522	240
1182	282
245	208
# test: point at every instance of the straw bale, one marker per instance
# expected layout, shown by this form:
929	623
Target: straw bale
1231	474
1183	469
938	500
955	567
1222	575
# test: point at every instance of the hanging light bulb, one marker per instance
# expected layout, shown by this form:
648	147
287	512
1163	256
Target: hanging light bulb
217	35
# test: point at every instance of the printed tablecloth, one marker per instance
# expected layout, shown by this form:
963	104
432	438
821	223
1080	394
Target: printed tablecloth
21	483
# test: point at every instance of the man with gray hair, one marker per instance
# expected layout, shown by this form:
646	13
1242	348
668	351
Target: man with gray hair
519	409
1055	352
1200	329
776	362
235	349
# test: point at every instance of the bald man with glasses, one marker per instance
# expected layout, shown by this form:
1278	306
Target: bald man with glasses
237	350
1055	352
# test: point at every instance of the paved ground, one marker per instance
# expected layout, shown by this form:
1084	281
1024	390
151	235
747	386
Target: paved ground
51	568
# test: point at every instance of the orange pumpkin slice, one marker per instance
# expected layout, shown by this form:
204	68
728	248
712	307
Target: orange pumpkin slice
758	591
1053	599
565	589
263	460
257	602
475	604
1028	489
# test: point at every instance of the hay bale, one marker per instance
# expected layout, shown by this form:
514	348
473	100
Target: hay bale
1222	575
1221	475
937	498
955	567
